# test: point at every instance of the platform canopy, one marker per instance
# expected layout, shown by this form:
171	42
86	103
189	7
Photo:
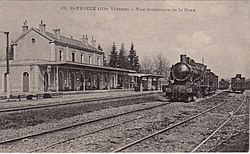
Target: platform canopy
147	75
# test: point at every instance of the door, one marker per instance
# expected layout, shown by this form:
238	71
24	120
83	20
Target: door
25	82
81	82
46	81
60	81
98	82
113	82
72	81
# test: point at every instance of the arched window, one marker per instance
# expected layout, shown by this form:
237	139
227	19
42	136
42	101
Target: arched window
90	59
46	81
82	58
25	82
73	57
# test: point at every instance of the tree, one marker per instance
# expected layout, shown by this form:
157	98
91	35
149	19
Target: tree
137	64
155	65
113	61
122	58
147	65
133	59
104	57
161	65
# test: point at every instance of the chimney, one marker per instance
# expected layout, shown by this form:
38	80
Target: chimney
42	27
57	33
183	58
25	26
85	40
93	42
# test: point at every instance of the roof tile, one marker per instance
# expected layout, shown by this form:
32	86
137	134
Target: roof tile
69	41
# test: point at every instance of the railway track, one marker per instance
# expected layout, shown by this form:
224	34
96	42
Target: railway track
92	132
8	141
86	134
181	123
224	123
31	107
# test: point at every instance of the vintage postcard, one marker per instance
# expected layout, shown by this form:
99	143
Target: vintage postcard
124	76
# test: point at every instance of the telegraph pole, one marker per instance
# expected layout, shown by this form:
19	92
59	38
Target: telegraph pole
8	66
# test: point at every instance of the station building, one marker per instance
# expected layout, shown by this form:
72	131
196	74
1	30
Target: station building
49	62
42	61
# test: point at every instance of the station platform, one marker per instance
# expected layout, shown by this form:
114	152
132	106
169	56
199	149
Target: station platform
71	96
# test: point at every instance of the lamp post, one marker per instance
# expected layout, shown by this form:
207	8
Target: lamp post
7	52
7	65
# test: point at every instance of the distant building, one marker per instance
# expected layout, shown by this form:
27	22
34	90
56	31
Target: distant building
43	61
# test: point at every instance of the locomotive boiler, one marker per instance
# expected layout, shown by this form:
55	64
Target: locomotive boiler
189	80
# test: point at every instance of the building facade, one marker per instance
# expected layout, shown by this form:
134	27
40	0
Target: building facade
44	61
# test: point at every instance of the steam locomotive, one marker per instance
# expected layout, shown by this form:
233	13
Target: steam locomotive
189	80
238	83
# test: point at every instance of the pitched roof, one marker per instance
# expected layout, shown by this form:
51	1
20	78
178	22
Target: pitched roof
72	42
36	30
63	40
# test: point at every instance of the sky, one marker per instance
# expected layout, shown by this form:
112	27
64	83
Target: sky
217	31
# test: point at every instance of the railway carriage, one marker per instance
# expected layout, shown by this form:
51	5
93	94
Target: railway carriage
238	83
189	79
248	84
223	84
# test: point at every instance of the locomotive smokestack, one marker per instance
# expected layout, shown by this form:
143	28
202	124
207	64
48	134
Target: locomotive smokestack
192	61
183	58
188	60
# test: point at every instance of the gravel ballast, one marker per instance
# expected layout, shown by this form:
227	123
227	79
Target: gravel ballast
180	139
